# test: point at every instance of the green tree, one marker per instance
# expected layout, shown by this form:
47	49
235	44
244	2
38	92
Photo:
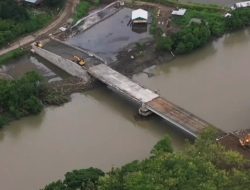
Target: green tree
54	3
83	178
164	44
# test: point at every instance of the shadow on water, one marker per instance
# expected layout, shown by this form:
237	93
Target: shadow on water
129	110
15	128
236	38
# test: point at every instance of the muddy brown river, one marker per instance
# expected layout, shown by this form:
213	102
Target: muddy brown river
101	129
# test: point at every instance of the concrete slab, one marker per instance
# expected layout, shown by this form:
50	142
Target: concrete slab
121	83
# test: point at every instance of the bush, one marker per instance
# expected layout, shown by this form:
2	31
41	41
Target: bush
82	10
20	98
190	38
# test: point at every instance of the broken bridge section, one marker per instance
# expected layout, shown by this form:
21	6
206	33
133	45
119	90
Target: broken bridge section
177	116
149	100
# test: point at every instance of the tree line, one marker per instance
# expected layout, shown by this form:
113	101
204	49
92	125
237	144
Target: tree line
193	35
17	19
20	97
26	96
203	165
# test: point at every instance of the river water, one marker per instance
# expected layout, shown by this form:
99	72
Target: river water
100	129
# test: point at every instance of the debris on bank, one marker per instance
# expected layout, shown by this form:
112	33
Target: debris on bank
58	92
233	141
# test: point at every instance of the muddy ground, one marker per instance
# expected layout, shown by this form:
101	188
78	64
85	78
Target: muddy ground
138	57
231	142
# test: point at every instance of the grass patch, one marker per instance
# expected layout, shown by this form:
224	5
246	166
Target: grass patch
197	6
84	7
82	10
12	55
11	29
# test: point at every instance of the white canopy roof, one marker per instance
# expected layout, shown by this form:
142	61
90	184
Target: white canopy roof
242	4
139	13
179	12
33	1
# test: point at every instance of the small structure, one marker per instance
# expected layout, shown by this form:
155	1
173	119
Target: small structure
179	12
139	16
227	15
195	20
243	4
33	2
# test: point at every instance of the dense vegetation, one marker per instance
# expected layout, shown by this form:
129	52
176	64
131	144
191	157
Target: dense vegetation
84	7
20	97
197	27
26	96
16	20
54	3
86	179
204	165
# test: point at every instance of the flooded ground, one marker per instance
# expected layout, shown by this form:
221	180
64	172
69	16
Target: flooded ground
97	129
107	38
211	82
215	2
30	62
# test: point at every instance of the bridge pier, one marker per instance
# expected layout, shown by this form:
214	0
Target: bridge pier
144	111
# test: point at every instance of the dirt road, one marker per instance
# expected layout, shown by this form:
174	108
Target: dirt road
59	21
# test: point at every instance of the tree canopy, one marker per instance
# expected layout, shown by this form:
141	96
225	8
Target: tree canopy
9	9
20	97
203	165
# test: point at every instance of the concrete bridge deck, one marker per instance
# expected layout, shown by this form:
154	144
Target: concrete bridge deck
120	83
150	100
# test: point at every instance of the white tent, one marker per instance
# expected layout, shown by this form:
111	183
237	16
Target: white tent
179	12
33	1
140	15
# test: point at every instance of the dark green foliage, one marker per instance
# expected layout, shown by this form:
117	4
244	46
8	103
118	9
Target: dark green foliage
82	10
84	179
20	97
203	165
163	146
84	7
191	38
54	3
240	18
16	20
58	185
3	121
200	166
164	44
11	29
9	9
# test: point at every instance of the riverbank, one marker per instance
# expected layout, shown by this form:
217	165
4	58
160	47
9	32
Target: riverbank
175	167
29	94
12	55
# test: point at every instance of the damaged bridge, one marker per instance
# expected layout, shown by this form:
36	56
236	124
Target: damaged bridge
149	101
